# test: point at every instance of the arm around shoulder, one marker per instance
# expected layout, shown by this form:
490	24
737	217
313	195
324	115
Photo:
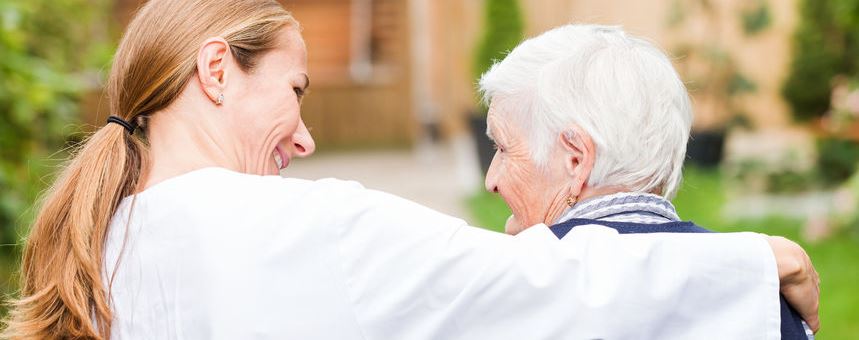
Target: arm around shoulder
413	272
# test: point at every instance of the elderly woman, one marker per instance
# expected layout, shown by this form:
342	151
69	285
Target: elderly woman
171	222
591	127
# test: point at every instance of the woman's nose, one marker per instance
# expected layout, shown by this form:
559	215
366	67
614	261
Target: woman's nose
302	142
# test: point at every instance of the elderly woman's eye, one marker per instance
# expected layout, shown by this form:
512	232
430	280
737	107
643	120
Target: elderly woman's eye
497	147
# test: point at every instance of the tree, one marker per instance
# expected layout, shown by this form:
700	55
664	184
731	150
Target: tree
823	48
49	51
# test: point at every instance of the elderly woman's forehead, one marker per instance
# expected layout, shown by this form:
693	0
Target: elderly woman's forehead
500	105
495	117
500	122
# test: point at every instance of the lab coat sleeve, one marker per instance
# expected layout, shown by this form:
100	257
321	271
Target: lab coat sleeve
413	273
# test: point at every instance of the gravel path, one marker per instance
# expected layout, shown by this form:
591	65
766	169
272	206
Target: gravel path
440	176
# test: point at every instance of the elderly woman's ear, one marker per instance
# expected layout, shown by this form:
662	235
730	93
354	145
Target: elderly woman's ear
579	156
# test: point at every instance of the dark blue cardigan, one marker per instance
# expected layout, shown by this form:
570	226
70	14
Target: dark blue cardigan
791	323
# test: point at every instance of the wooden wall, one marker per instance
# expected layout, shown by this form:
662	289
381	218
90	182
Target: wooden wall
342	111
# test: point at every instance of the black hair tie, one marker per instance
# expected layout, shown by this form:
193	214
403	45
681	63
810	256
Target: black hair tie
128	126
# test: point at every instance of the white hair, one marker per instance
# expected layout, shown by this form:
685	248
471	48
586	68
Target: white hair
620	89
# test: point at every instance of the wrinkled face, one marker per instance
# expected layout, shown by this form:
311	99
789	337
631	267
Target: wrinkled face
530	191
267	106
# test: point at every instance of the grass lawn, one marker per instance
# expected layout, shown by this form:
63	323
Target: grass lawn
700	200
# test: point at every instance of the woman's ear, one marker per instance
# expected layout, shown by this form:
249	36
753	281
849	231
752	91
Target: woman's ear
579	157
212	61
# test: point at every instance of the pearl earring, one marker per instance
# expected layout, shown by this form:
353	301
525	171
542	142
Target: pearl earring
220	99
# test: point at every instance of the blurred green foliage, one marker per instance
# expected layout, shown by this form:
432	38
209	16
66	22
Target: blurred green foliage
756	18
826	44
503	29
752	175
51	52
837	159
826	48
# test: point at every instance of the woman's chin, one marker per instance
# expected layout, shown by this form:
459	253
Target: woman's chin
270	170
513	226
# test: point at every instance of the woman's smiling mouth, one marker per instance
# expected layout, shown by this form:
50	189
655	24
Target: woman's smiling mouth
281	160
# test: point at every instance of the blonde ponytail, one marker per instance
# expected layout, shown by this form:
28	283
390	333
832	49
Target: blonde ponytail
62	261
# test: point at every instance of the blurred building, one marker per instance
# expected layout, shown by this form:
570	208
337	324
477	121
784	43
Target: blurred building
358	59
387	71
762	57
383	72
393	72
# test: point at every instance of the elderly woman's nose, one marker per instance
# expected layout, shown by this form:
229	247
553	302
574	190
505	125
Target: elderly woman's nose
302	142
491	187
492	178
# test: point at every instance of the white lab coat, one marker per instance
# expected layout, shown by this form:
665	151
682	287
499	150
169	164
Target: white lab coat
215	254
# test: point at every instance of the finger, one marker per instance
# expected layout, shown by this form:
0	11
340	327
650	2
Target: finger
809	305
805	299
814	325
814	322
813	318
